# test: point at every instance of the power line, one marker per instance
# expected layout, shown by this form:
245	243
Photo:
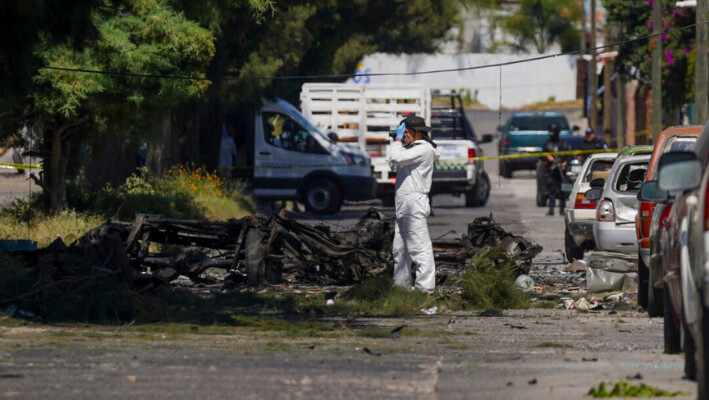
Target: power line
340	76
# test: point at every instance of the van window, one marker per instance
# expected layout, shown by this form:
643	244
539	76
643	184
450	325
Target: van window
282	131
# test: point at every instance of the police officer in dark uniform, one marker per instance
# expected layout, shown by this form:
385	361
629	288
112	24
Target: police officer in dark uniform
591	143
554	167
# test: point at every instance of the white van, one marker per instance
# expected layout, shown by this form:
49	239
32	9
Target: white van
294	160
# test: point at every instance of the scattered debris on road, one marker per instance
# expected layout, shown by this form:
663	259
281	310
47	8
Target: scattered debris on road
609	271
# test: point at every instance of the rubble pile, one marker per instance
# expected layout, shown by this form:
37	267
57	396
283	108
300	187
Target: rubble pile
64	280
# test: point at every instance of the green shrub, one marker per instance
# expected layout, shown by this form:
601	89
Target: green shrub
489	283
624	389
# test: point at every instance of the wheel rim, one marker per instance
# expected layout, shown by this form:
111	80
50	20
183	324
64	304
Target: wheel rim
319	197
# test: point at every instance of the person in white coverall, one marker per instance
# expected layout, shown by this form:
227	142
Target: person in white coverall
413	163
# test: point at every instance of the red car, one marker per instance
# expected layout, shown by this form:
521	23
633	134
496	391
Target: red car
649	294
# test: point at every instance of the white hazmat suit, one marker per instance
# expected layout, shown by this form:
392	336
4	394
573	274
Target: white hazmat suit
414	168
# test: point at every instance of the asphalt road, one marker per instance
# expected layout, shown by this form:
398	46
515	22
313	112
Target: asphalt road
525	354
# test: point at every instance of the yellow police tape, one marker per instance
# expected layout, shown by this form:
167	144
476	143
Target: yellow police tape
448	162
20	166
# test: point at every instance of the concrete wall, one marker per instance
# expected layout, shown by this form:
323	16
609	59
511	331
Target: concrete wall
521	84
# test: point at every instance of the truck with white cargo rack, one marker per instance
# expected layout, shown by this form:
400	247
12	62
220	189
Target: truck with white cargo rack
363	115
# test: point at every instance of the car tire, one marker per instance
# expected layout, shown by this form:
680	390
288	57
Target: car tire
322	197
542	195
505	169
702	354
690	362
655	307
572	250
478	195
673	344
643	283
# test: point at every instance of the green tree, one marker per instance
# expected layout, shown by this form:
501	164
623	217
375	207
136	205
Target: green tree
139	37
306	37
633	19
539	24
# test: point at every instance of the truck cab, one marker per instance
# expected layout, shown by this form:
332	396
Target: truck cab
294	160
456	172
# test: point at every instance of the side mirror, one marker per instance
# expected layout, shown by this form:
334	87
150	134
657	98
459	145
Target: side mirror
333	137
681	175
593	194
598	183
486	138
650	192
575	128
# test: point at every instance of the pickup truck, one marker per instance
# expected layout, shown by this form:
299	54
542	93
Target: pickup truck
362	116
455	173
526	132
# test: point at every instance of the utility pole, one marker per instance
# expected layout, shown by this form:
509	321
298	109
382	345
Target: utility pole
615	33
701	95
656	69
620	110
607	95
592	73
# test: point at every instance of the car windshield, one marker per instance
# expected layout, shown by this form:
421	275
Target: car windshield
597	165
681	143
537	123
310	127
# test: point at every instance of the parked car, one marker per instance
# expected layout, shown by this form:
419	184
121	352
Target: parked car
687	280
650	295
580	213
617	204
525	133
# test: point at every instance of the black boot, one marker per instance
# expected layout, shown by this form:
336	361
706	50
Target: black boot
550	212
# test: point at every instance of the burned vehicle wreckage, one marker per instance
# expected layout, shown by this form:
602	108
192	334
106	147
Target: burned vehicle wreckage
251	251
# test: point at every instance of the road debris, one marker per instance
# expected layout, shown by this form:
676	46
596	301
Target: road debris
609	271
430	311
525	282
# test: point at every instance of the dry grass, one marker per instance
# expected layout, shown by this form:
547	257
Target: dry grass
554	105
68	225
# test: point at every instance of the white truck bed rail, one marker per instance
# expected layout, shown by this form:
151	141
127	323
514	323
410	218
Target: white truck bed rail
363	114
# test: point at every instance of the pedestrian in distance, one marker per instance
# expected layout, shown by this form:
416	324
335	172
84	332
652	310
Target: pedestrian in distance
413	155
554	167
227	153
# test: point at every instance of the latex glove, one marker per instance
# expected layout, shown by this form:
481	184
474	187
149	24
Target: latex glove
400	130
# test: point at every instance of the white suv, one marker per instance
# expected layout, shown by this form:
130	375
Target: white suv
580	213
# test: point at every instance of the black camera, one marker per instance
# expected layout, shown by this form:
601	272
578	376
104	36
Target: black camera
392	135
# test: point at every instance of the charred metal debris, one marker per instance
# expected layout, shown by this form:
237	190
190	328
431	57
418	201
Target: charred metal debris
152	251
